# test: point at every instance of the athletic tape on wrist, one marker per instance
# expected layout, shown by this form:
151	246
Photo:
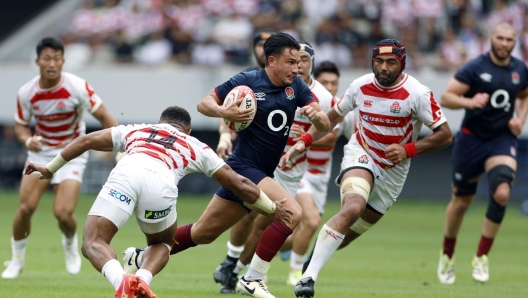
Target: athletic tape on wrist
410	149
28	141
57	163
265	204
225	138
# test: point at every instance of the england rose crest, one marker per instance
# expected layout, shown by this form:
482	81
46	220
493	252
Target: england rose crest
363	159
289	93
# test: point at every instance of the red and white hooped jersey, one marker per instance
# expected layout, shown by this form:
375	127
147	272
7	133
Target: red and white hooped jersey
297	166
162	148
392	115
58	110
319	160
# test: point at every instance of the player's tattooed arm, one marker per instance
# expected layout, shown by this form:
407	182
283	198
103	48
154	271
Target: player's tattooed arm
452	97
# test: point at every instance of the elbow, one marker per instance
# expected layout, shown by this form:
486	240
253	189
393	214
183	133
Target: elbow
199	107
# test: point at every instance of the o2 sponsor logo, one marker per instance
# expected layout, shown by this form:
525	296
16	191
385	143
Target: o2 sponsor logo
119	196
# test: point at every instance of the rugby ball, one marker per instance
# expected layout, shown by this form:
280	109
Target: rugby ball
249	102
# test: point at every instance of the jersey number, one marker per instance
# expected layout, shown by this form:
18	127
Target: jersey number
502	104
168	142
284	119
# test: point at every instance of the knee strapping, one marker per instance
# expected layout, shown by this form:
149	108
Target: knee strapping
355	185
361	226
497	176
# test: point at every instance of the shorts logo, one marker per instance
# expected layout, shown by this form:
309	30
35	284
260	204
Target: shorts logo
119	196
157	214
367	103
395	108
363	159
515	78
289	93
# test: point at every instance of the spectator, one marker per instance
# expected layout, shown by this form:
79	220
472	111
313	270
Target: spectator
234	33
451	53
156	51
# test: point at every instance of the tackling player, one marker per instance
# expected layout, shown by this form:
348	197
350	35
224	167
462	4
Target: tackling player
57	101
392	106
491	88
145	182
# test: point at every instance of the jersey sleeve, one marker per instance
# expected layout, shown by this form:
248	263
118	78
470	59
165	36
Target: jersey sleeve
347	102
237	80
305	95
207	161
23	114
428	111
89	100
119	134
467	74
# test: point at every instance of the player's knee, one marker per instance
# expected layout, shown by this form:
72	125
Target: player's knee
354	187
461	203
502	194
27	210
351	209
312	223
62	214
500	181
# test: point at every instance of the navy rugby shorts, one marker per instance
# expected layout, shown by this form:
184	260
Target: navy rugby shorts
470	153
242	168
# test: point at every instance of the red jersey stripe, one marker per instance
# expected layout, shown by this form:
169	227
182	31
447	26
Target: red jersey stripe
327	149
54	129
380	138
59	94
56	117
320	162
372	90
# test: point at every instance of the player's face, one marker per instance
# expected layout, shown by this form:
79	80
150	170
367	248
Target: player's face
304	67
50	62
284	68
330	81
386	69
259	54
502	42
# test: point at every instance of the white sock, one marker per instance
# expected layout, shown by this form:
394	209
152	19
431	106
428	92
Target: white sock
113	271
18	248
257	268
145	275
69	241
239	267
327	243
140	258
234	251
296	262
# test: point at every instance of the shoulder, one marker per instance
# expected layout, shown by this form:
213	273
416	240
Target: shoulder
26	91
519	65
362	81
76	84
415	88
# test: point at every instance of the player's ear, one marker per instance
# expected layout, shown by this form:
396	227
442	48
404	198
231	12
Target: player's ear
189	132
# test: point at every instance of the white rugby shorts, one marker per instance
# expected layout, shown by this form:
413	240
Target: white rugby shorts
388	183
289	184
317	186
73	170
132	188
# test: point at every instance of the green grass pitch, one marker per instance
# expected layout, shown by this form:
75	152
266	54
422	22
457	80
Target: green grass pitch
397	258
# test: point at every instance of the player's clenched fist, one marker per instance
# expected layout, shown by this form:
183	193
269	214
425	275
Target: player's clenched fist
282	214
479	101
294	151
309	112
396	153
515	125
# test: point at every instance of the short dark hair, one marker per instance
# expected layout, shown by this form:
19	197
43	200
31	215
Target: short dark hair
49	42
326	66
176	115
277	42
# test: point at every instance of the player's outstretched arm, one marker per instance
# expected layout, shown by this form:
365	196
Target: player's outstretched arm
252	194
317	116
210	105
452	97
306	140
100	140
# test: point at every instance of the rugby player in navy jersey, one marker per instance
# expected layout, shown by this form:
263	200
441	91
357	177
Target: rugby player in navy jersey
493	89
257	154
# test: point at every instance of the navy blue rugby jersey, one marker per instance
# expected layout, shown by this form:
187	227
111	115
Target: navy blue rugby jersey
502	84
261	143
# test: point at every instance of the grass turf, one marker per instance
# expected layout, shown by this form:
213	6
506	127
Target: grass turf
397	258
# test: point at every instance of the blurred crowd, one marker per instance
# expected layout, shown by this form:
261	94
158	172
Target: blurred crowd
440	34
